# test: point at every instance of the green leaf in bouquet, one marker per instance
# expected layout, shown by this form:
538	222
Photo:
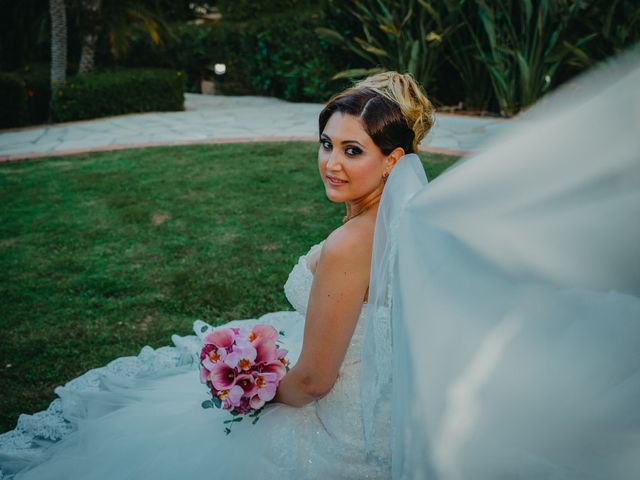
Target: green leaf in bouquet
257	412
216	401
233	420
255	420
207	404
227	430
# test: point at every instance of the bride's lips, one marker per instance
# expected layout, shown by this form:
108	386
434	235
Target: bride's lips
336	181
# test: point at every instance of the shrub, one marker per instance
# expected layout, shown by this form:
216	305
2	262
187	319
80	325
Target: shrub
241	10
38	84
292	62
118	92
277	55
13	101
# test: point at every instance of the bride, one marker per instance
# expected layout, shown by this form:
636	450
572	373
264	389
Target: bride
151	424
484	325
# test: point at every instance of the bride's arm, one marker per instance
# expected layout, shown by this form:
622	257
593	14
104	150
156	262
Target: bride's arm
340	282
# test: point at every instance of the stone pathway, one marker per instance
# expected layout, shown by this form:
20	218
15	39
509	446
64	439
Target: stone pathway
219	119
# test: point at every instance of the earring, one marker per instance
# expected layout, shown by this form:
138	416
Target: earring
384	177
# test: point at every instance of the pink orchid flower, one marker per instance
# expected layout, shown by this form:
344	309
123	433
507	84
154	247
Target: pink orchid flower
222	376
281	354
231	398
204	375
263	331
266	350
276	368
221	338
266	385
242	357
209	360
256	402
247	382
244	407
206	349
235	394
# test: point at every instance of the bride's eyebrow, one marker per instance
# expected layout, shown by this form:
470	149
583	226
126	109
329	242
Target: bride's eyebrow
324	136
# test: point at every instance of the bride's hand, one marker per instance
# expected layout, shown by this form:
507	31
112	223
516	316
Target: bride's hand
339	285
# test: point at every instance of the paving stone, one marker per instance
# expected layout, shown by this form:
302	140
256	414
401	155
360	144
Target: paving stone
209	118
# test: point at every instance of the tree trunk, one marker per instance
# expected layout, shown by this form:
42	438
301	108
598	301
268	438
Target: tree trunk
91	19
58	43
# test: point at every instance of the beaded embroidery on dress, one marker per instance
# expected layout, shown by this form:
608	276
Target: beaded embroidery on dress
140	417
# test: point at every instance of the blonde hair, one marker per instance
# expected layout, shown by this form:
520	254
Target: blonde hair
406	93
392	107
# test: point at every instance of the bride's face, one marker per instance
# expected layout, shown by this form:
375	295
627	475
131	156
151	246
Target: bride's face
348	155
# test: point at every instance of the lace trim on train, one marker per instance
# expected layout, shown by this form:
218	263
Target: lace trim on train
34	433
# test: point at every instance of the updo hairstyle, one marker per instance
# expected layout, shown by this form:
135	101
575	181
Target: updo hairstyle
393	108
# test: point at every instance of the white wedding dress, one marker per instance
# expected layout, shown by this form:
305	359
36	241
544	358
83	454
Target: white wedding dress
141	417
501	338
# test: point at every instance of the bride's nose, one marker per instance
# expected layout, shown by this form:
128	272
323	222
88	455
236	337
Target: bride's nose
334	161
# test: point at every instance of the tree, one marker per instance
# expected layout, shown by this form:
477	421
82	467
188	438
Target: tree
90	10
117	21
58	44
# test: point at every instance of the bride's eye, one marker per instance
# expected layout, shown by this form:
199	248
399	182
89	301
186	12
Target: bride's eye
353	151
325	144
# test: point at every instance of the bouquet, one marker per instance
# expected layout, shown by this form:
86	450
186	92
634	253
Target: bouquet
242	369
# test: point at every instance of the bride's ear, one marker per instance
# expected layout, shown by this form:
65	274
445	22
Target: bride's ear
392	159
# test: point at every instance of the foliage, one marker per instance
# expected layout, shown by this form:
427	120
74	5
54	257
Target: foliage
24	96
274	55
288	62
506	53
615	26
522	45
122	18
38	85
499	55
108	252
24	33
249	10
113	93
13	101
460	53
405	35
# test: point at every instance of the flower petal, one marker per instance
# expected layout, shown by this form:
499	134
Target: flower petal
222	337
268	392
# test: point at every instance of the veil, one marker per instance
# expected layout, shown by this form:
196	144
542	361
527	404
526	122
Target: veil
503	331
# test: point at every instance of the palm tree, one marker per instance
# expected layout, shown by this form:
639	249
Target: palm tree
58	44
91	18
118	21
122	19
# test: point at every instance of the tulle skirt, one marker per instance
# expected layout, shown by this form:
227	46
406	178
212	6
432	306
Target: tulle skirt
151	425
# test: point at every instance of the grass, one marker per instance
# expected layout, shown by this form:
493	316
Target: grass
102	254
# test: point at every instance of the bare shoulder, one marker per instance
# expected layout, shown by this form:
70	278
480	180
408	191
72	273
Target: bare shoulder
349	245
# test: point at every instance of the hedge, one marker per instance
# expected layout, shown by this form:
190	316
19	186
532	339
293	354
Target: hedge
119	92
37	80
24	97
13	101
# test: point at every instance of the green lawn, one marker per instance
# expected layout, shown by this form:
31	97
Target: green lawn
102	254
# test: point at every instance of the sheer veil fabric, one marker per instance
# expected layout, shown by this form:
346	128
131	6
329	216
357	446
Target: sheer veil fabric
504	319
